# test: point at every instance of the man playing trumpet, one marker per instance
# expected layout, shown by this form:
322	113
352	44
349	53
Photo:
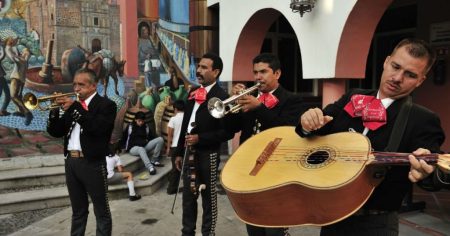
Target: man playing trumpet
274	106
86	126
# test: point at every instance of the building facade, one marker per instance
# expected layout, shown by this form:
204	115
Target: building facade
76	22
338	46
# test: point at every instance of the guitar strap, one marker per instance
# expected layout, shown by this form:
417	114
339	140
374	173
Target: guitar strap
399	126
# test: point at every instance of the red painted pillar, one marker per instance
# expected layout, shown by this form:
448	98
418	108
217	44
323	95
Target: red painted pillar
129	36
333	89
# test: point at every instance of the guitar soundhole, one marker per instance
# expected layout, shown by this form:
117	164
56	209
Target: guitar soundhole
317	158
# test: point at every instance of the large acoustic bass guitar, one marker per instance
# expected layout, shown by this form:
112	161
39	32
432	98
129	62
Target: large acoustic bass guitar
278	179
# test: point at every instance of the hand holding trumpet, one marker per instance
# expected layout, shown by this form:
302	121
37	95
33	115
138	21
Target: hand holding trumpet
240	100
63	101
247	102
238	88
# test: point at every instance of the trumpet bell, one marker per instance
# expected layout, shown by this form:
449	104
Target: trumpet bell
216	108
30	101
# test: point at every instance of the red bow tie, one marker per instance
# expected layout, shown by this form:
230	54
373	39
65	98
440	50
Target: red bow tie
84	105
369	108
268	99
199	95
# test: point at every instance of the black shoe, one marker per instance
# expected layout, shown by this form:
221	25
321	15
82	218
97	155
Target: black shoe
135	197
28	118
157	164
171	191
18	113
152	171
4	113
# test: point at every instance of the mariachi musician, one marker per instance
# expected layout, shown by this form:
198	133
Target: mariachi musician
206	139
273	106
392	122
86	126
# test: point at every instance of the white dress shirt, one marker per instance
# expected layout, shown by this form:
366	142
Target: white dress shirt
74	141
196	106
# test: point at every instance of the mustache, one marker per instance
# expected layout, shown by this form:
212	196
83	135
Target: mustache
394	83
198	75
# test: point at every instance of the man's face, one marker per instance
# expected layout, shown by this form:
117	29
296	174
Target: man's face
402	73
140	122
144	32
266	76
83	86
206	75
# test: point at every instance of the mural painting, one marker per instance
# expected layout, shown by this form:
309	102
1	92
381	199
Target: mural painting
38	59
26	72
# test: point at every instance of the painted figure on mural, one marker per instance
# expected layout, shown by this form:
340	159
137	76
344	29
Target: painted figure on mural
35	35
4	89
145	45
2	4
148	71
17	77
174	81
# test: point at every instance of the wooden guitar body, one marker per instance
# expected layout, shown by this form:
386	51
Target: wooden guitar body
301	181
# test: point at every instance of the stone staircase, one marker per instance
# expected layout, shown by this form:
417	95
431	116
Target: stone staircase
33	183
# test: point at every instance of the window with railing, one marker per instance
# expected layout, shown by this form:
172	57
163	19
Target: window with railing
178	48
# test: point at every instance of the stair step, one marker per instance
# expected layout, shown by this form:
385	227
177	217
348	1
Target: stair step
58	196
51	175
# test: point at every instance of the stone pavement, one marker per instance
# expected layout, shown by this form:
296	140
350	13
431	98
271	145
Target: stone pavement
151	216
148	216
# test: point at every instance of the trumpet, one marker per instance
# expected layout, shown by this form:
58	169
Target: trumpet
32	102
218	108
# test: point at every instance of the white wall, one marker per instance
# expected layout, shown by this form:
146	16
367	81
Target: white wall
318	32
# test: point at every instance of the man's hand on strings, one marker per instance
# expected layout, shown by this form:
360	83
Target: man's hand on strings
419	168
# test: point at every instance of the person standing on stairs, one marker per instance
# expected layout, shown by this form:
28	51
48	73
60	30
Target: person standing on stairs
86	126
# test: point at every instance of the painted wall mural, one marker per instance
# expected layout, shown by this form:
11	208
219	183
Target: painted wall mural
173	32
24	69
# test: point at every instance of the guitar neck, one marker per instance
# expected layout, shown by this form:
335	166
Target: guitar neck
394	158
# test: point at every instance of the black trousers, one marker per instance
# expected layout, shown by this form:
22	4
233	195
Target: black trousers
206	163
260	231
5	90
367	225
83	178
174	175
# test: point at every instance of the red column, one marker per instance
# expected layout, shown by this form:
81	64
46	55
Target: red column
129	36
333	89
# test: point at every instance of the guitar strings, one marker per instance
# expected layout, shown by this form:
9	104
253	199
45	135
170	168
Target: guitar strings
296	154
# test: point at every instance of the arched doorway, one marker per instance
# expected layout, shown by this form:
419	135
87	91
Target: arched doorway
281	40
269	31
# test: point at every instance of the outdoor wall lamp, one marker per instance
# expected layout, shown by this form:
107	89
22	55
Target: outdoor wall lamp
302	6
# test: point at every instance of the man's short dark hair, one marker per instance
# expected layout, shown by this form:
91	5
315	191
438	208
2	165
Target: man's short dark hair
179	105
269	58
418	48
217	61
92	76
139	116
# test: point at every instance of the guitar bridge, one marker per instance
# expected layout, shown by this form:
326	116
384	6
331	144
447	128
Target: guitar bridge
264	156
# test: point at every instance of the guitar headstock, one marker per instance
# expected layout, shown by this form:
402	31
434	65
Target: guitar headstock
444	163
